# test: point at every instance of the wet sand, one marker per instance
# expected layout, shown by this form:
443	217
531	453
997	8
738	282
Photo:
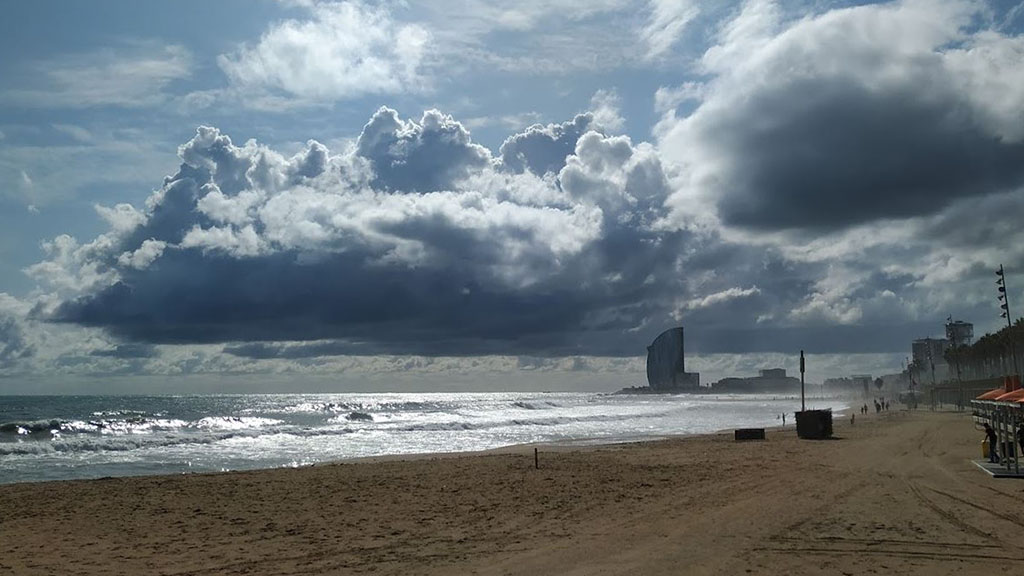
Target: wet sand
895	494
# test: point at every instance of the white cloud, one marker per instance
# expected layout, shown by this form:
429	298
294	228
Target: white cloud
534	36
149	251
605	107
122	218
346	50
668	21
74	268
239	242
721	297
668	98
76	132
228	209
59	172
506	121
989	69
132	76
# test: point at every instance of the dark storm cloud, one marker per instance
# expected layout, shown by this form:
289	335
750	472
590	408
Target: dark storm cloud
275	297
866	338
842	155
548	345
318	255
245	246
881	111
982	223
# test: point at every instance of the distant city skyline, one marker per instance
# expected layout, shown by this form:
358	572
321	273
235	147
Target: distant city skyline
316	195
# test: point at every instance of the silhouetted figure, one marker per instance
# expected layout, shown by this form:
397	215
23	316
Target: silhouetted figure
886	405
853	418
878	407
783	418
993	456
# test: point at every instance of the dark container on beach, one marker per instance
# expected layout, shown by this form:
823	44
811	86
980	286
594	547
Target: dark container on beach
748	434
814	424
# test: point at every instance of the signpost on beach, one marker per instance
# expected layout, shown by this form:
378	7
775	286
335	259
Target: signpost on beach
803	406
811	424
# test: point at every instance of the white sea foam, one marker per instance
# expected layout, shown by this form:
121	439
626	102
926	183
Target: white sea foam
83	437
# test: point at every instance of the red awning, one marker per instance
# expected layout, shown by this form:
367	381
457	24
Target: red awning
992	394
1015	396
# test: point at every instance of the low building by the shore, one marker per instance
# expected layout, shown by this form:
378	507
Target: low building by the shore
770	380
856	385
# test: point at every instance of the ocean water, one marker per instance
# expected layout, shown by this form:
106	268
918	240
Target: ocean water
68	437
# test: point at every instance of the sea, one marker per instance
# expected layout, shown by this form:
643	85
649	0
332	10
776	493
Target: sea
45	438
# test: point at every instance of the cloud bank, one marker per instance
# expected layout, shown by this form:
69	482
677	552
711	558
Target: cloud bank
837	182
415	240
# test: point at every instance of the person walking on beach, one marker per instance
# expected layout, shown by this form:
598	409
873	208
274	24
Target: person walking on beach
993	456
783	418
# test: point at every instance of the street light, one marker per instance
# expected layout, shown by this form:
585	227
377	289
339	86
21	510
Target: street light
1004	305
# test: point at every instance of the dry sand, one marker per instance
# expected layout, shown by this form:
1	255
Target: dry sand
895	494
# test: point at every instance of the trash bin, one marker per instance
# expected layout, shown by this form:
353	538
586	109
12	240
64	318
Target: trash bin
814	424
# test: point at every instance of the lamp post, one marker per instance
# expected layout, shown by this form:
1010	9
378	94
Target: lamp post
1004	304
803	404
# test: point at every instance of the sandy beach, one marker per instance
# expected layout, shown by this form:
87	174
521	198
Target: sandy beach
894	494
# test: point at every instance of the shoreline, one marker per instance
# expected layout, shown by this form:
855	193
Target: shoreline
59	463
897	489
578	444
581	444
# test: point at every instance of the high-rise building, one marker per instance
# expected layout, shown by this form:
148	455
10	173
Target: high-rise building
666	365
929	351
959	333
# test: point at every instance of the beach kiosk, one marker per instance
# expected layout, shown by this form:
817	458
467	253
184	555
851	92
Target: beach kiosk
1003	409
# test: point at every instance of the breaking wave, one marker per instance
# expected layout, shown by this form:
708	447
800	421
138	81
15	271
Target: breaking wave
49	438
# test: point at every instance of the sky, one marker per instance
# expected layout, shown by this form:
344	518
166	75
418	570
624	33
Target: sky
278	196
